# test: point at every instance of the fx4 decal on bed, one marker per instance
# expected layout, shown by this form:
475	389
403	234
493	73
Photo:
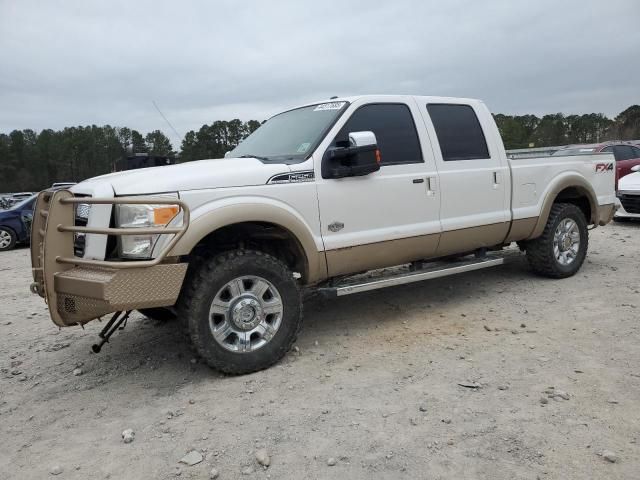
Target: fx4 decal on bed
603	167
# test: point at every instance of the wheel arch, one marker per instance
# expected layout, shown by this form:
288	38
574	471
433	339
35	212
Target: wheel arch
573	189
255	222
9	227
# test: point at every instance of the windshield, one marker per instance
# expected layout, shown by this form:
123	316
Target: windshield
291	135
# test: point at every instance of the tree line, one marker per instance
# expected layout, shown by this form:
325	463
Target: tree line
31	161
213	141
526	131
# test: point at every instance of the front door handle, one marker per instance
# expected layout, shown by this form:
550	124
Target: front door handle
418	180
431	186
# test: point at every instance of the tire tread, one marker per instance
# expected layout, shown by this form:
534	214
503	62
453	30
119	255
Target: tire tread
193	295
540	250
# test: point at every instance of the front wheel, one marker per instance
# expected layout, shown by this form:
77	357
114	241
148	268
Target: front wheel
561	249
243	309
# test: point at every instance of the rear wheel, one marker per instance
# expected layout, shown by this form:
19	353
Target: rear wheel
243	309
7	239
561	249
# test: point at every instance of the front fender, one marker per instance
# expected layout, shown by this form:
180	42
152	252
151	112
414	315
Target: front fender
221	213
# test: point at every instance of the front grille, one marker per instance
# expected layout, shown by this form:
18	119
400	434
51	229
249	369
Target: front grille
82	211
631	203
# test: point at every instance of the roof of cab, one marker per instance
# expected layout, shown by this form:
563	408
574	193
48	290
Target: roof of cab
422	98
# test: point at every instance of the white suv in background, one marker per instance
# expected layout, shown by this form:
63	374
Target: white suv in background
629	195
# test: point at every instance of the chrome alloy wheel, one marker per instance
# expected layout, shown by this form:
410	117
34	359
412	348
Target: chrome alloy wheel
5	239
245	314
566	241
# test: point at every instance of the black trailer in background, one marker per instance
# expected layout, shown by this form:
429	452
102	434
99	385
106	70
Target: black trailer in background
142	160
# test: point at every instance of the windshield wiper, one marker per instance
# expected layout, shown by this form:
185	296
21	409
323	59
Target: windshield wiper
254	156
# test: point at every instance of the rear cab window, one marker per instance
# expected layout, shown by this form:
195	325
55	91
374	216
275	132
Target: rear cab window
459	132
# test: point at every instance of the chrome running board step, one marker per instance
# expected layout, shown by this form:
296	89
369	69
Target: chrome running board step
441	269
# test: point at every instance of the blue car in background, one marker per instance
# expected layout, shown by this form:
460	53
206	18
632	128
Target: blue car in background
15	223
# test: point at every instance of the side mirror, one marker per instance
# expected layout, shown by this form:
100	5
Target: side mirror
635	168
227	154
361	157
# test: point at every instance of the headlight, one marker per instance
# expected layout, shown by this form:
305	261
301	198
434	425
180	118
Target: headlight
141	216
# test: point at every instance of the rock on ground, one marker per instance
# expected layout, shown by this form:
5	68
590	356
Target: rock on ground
56	470
128	435
192	458
609	456
263	457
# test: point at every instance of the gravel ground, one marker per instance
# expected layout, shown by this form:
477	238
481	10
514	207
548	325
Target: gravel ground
491	374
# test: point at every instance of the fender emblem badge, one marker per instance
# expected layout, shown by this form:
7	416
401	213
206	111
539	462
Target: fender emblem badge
336	226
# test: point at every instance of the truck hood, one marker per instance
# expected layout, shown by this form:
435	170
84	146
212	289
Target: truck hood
630	182
197	175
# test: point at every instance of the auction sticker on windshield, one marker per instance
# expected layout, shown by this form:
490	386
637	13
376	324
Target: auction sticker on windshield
303	147
329	106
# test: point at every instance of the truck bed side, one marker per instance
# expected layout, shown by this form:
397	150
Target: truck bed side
536	182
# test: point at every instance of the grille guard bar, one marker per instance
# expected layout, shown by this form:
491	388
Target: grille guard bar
178	232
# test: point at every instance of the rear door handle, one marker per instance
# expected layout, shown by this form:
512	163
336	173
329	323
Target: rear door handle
418	180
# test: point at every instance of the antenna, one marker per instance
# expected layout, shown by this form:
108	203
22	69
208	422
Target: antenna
168	122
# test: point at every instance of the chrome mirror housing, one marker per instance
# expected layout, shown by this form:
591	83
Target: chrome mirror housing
362	139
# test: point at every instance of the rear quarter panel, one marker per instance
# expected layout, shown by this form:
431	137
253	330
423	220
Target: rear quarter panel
535	179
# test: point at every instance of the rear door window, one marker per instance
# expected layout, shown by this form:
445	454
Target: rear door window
459	132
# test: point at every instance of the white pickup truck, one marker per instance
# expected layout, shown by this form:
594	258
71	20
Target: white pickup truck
316	195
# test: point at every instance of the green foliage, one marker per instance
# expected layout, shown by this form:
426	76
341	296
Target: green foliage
627	123
31	162
158	144
557	129
213	141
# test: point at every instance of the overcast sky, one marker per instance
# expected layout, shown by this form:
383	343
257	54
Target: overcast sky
66	63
